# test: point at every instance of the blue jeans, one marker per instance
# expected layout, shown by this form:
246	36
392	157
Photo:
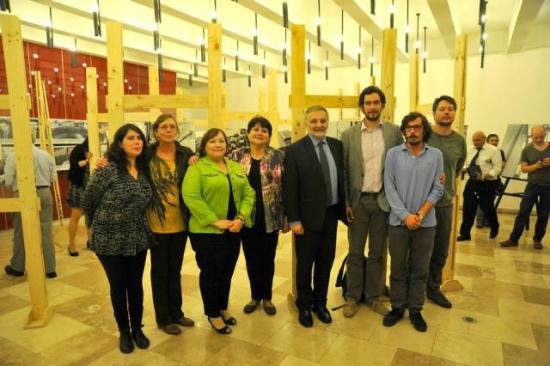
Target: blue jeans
532	193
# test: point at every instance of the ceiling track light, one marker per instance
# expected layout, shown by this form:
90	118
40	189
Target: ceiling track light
195	64
203	46
482	21
49	30
263	66
159	61
326	66
97	19
373	7
224	72
74	60
237	57
285	14
371	61
255	34
359	50
392	14
249	77
318	22
342	37
158	20
5	5
285	53
407	30
214	12
425	52
417	43
308	64
190	76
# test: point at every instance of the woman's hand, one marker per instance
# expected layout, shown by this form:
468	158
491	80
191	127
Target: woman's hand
236	226
222	224
193	159
101	163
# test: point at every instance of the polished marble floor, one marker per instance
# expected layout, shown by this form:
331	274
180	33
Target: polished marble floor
506	297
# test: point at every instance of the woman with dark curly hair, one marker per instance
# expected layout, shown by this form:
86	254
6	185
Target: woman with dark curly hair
115	202
78	177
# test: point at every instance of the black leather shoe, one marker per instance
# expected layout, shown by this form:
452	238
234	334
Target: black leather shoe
463	238
141	340
251	306
13	272
51	274
418	321
438	298
493	234
393	317
224	330
269	309
125	342
73	254
323	314
305	318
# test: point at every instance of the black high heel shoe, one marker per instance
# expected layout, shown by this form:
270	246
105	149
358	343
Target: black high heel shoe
225	330
229	321
73	254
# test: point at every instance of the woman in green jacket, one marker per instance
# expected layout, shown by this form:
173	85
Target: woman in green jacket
220	199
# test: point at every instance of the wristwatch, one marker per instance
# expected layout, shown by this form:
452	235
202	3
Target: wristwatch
420	216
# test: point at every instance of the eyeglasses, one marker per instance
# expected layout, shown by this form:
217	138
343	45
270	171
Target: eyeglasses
413	127
168	127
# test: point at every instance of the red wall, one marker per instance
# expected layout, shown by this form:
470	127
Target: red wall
70	101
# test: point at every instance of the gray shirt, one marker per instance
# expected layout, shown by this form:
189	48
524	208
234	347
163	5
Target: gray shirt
453	148
411	180
530	155
44	169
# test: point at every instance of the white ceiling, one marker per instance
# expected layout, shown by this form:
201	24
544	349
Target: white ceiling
512	26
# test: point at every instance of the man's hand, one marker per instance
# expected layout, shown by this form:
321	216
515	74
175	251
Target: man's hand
297	229
349	214
545	162
222	224
285	228
412	222
442	178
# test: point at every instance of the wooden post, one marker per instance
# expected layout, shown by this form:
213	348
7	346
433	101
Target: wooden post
413	82
179	111
29	203
357	92
298	81
154	89
341	109
115	77
262	100
215	113
272	103
449	283
91	116
389	49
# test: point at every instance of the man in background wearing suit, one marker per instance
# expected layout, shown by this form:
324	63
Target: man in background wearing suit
365	147
314	191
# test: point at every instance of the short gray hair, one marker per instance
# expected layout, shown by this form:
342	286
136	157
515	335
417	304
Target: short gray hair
315	108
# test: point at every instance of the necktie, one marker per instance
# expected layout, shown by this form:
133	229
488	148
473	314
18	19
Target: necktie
326	171
474	160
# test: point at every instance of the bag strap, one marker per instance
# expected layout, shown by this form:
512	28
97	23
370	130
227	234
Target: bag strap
339	277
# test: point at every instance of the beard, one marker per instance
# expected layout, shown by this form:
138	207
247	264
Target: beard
444	123
417	140
373	116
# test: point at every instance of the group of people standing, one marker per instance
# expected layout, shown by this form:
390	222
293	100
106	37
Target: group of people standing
383	180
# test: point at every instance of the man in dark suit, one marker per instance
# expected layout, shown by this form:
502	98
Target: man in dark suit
314	192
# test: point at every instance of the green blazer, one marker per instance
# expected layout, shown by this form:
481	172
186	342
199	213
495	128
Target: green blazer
205	191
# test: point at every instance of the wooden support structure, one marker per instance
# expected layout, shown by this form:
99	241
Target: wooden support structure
449	282
215	116
29	204
115	77
298	81
92	116
389	55
413	82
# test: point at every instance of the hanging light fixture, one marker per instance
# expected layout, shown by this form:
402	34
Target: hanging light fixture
237	57
482	21
327	63
159	61
49	30
156	31
5	5
285	14
392	14
372	59
373	7
249	74
359	50
213	13
263	66
74	61
255	34
191	75
202	43
196	64
97	18
407	30
424	52
417	42
285	69
342	37
285	48
308	57
224	72
318	21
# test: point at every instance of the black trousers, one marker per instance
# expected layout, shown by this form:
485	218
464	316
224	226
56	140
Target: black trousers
125	274
216	256
259	251
315	252
478	193
166	260
530	195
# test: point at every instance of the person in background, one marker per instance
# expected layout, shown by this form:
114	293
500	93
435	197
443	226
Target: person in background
45	174
412	180
315	199
79	160
535	161
115	203
264	166
484	164
220	199
481	221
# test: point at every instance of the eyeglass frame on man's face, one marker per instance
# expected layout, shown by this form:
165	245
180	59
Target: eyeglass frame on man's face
413	127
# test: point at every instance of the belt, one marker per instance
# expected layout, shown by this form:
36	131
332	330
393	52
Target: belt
40	187
369	194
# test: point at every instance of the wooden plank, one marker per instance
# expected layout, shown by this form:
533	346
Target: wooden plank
5	101
115	77
10	205
40	100
179	111
358	110
449	283
215	115
387	84
239	116
413	82
166	101
92	116
425	109
262	100
328	101
17	86
340	109
154	88
272	106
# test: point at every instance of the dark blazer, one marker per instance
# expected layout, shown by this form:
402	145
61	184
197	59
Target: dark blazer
304	186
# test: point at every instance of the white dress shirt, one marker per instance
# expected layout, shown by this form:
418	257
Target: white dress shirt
489	160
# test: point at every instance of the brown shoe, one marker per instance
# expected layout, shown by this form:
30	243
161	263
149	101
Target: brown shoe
379	307
508	243
171	329
351	308
537	244
185	322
